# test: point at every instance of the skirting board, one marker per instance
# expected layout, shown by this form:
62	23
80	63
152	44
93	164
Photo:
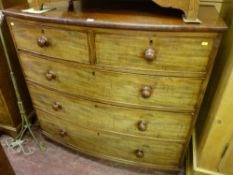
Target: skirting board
192	159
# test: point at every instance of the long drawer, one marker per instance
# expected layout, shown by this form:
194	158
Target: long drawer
126	121
54	42
112	146
142	90
158	51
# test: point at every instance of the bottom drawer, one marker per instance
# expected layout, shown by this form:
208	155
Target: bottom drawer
130	150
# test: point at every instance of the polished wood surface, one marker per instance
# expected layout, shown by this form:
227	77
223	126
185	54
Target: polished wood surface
164	155
168	92
118	14
138	88
5	166
129	49
157	125
29	35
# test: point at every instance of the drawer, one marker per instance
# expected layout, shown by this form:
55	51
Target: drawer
131	89
140	123
112	146
161	51
54	42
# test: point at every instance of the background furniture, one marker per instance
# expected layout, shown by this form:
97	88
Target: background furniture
10	120
189	7
213	141
114	88
9	3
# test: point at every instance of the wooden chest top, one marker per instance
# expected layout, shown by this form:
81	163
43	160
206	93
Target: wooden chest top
139	16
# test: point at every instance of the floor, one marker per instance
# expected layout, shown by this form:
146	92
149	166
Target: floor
58	160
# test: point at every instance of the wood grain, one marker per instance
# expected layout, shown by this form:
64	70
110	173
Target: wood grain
98	104
75	48
86	114
173	52
112	86
119	15
111	146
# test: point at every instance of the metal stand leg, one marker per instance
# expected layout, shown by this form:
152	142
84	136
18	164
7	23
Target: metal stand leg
26	125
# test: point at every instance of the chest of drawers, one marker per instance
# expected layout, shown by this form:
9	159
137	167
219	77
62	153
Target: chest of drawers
113	87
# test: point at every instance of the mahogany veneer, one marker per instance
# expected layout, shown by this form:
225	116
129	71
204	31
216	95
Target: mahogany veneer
117	81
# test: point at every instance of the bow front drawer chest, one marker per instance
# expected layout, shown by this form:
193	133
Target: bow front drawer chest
124	84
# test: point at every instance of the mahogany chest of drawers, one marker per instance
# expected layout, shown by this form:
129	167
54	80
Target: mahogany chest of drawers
121	85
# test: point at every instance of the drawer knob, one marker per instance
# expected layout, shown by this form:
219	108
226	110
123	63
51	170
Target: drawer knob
139	153
57	106
142	126
62	133
149	54
42	41
50	75
146	91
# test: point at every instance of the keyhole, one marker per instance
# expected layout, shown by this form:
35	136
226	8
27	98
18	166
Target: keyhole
42	31
151	42
93	73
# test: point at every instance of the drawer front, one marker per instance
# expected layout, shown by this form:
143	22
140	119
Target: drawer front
111	146
152	91
144	123
53	42
155	52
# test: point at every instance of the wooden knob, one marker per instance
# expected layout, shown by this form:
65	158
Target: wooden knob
149	54
142	126
42	41
57	106
50	75
146	91
62	133
139	153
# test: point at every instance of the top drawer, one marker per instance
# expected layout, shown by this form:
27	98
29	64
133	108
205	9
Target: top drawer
54	42
157	51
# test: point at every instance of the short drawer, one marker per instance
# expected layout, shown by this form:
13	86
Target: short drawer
54	42
131	89
112	146
127	121
161	51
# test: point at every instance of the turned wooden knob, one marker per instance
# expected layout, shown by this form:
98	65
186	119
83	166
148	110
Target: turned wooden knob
42	41
62	133
142	126
139	153
146	91
57	106
149	54
50	75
